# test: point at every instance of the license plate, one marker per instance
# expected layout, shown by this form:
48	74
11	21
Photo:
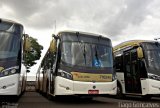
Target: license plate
93	91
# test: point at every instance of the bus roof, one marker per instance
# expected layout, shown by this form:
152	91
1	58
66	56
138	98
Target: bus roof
84	33
9	21
129	43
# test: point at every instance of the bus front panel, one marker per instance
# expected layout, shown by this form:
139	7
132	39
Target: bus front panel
86	65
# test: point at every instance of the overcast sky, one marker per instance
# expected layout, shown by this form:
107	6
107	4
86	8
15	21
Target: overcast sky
120	20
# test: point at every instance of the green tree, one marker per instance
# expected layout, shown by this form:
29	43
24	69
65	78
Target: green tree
34	53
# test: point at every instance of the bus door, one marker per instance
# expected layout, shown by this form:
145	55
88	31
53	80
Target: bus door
52	73
131	71
51	81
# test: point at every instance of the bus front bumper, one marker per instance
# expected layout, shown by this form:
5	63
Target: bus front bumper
9	85
65	86
150	86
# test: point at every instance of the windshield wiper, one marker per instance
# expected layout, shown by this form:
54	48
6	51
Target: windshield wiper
84	54
97	58
96	53
81	47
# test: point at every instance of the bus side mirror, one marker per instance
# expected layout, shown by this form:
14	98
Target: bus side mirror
140	52
55	37
53	46
27	43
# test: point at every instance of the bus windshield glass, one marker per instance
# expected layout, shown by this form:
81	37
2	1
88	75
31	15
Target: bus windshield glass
86	54
152	53
9	45
10	36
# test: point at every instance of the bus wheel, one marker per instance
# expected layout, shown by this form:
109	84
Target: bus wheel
119	92
47	92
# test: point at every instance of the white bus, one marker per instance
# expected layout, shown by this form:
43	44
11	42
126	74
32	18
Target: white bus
78	63
138	68
39	79
12	69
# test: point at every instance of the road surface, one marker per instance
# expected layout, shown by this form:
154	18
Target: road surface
36	100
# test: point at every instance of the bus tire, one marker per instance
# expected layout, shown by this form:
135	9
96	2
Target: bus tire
119	92
47	91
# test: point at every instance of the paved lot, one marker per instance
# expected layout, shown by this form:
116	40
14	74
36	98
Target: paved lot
36	100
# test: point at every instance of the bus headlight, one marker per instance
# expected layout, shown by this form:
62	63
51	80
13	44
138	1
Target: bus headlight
153	76
5	73
13	71
64	74
9	71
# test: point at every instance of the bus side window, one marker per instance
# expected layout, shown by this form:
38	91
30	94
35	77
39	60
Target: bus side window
23	52
43	65
119	65
143	71
134	59
52	58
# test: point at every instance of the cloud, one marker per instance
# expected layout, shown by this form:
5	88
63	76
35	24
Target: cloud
31	12
119	20
133	12
42	14
25	7
108	17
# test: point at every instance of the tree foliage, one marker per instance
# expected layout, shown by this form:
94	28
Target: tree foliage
34	53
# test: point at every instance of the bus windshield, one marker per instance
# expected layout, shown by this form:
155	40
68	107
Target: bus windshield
9	45
86	54
152	52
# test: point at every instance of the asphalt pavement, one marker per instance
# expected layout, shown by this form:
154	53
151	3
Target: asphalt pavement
36	100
